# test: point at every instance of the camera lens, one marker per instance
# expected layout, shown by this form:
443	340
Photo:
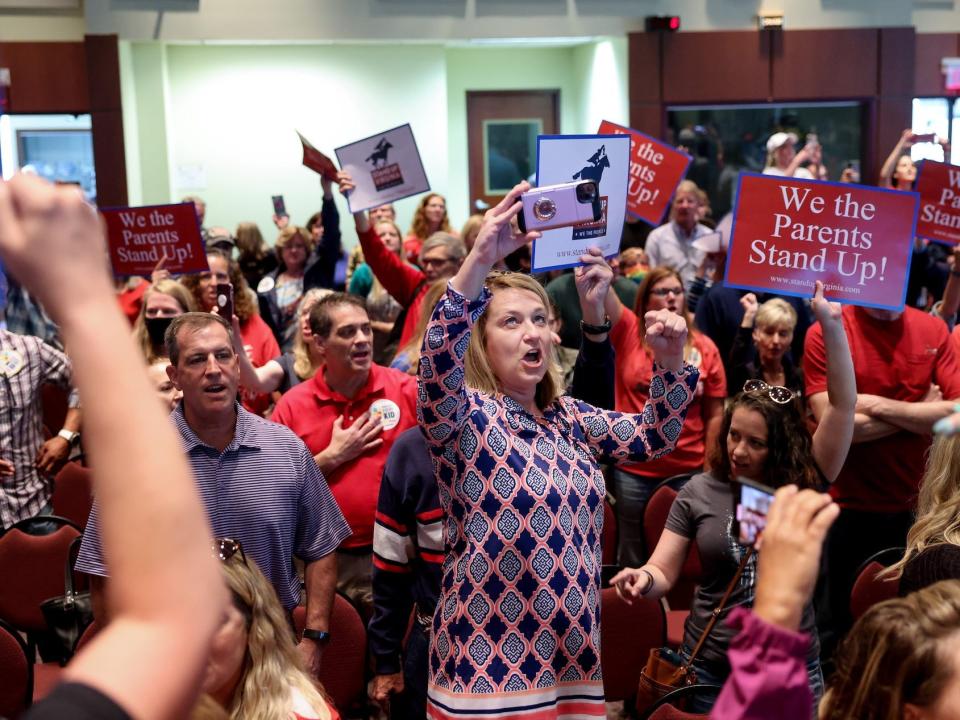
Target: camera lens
586	192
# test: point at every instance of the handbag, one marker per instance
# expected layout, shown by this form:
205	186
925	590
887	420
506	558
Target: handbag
67	615
665	670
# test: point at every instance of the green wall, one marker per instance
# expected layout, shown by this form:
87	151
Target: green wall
218	120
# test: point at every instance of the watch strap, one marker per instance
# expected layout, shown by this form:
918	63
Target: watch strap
68	435
590	329
320	636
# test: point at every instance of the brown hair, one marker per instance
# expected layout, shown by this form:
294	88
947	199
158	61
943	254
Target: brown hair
895	655
302	360
193	321
250	242
790	449
479	374
320	322
243	305
420	225
642	302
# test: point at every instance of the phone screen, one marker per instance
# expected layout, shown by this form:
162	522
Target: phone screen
751	515
225	301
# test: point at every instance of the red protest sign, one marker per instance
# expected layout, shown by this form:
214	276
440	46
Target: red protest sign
655	171
140	237
788	233
317	161
939	188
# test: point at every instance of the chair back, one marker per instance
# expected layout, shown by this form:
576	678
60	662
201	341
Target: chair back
16	673
31	571
671	706
73	493
627	634
868	589
344	659
655	516
609	544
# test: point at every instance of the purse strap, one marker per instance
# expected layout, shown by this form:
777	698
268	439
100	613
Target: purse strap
715	615
68	590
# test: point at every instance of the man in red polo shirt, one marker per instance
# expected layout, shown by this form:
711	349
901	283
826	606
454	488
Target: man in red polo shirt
349	414
907	378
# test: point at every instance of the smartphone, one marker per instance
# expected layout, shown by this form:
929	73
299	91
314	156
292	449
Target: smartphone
225	301
925	138
279	207
750	515
554	206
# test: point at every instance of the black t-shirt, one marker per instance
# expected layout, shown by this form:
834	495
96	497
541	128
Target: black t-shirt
77	702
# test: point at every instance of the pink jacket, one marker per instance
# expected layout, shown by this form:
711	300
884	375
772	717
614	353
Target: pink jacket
768	677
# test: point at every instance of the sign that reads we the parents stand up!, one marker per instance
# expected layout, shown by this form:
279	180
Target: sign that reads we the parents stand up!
939	188
142	236
788	233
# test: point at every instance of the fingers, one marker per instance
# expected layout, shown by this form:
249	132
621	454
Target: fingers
780	500
818	291
509	200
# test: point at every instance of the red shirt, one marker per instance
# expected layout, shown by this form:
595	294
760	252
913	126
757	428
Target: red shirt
897	360
310	408
632	388
398	278
261	347
131	300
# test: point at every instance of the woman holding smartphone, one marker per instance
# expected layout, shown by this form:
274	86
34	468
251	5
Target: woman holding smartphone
764	439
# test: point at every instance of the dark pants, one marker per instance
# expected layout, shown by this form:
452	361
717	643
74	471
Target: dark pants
854	537
412	702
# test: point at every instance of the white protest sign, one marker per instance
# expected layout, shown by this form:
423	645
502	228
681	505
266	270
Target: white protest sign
605	159
385	167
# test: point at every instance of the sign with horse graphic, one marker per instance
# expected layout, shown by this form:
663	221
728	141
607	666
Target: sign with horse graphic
385	167
604	159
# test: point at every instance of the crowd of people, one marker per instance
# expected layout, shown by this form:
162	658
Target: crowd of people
436	438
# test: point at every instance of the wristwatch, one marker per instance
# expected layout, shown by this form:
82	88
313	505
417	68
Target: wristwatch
320	636
596	329
69	435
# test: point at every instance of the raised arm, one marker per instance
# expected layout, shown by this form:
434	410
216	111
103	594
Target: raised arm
398	278
150	659
886	172
442	397
834	433
263	379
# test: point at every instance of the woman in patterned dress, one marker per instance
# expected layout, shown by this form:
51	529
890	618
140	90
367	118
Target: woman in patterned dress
516	631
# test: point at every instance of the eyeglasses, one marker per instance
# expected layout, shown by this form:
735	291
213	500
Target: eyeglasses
434	262
777	393
663	292
226	548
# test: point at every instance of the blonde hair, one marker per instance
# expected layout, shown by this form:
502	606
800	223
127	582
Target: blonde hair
302	361
272	665
479	373
184	299
288	234
411	349
470	230
377	290
895	655
776	313
938	506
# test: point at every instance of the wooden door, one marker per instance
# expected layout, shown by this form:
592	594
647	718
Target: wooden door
502	129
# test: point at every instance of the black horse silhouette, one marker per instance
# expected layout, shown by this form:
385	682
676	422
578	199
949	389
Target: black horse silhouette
379	153
594	171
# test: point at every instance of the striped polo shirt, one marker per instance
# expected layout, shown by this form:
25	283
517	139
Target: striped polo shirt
265	490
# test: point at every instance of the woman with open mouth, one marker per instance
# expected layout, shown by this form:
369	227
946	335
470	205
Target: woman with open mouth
516	629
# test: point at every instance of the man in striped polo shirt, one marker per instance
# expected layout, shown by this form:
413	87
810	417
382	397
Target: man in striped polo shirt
258	481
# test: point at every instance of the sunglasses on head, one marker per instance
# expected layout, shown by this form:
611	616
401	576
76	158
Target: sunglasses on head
226	548
777	393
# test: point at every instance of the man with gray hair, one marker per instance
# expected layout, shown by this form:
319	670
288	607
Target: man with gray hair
259	482
440	257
